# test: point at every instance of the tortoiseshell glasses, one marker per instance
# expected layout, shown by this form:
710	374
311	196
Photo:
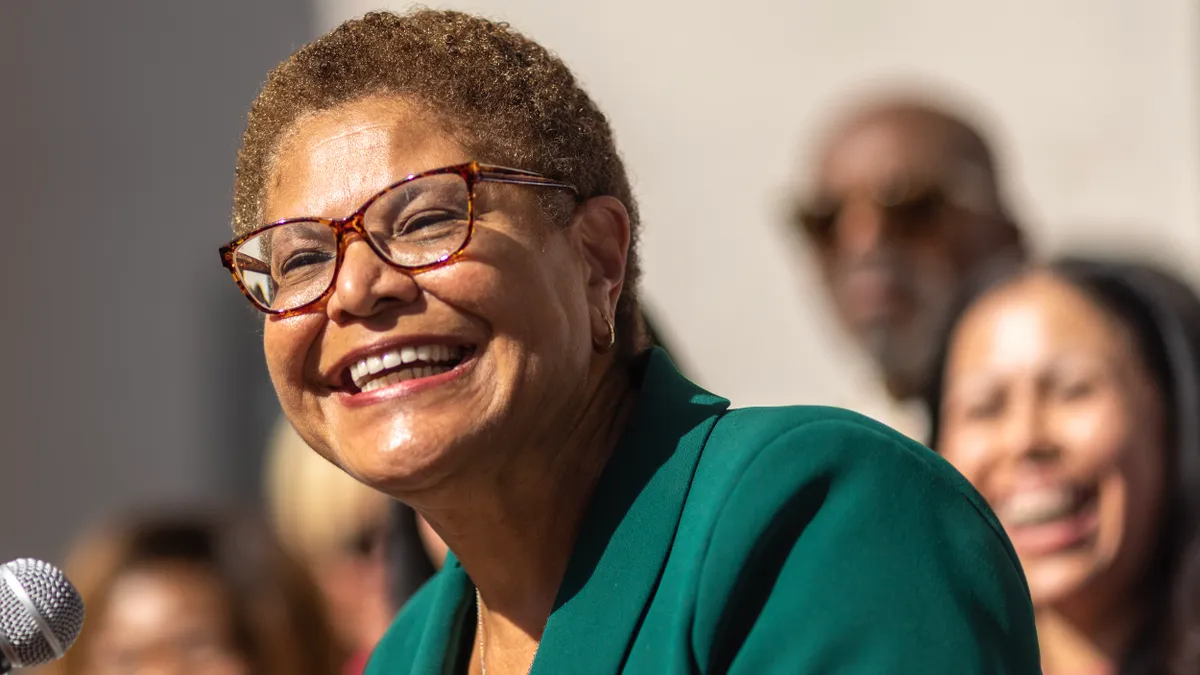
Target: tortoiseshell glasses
417	224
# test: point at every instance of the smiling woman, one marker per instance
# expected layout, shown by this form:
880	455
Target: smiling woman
1069	398
434	218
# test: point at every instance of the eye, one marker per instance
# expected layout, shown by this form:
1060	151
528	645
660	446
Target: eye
817	219
298	260
1076	389
983	408
424	220
918	208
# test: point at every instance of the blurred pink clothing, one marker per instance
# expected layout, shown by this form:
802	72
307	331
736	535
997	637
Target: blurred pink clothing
357	664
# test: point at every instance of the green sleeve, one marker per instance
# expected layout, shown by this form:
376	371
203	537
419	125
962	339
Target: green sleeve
844	548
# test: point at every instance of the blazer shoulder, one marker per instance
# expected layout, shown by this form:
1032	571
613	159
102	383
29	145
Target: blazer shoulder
826	437
750	428
823	522
838	448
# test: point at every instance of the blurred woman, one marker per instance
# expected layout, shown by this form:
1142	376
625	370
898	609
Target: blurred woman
198	596
336	527
1070	397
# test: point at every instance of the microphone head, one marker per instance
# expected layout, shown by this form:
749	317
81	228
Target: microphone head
41	613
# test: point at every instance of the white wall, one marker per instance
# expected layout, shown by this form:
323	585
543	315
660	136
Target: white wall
1093	102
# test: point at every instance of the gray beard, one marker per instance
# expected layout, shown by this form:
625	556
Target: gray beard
907	355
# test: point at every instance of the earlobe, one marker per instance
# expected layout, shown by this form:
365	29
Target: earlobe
604	228
604	344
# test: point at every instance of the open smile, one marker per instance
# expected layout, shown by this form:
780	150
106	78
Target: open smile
403	369
1051	519
406	363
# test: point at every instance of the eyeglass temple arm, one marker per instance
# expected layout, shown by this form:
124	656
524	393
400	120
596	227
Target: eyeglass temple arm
519	177
245	263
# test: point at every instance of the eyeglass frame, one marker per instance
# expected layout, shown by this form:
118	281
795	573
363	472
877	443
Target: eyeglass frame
472	173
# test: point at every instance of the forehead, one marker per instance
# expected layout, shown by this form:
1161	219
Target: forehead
150	594
1034	321
330	162
879	150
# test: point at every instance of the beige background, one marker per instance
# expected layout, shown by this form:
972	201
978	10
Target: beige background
1093	104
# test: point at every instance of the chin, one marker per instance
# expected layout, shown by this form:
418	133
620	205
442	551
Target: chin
1060	579
403	460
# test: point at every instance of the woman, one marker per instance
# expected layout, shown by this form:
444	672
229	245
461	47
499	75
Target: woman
469	342
1069	398
197	595
337	528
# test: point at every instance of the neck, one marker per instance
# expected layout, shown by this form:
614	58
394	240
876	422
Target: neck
514	532
1082	643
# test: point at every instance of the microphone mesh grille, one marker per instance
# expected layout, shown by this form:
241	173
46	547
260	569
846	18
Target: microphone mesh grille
55	599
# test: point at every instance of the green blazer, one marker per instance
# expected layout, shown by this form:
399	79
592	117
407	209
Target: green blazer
759	541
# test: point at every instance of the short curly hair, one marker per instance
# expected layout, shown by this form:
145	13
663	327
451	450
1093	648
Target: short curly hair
506	99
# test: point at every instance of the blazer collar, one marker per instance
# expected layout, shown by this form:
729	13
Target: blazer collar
630	524
623	540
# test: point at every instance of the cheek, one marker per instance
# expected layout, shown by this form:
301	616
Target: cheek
1124	451
827	261
968	449
1099	436
524	290
287	344
933	277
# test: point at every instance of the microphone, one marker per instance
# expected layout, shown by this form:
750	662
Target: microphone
41	614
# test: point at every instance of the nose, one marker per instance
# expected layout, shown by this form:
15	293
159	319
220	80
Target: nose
861	228
366	285
1026	435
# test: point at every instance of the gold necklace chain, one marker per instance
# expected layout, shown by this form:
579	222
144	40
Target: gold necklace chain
479	631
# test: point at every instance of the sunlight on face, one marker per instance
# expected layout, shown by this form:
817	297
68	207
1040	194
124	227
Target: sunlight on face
165	620
505	327
1050	413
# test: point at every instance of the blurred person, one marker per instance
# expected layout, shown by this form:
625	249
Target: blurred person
413	553
367	552
195	595
335	526
1070	397
906	207
467	338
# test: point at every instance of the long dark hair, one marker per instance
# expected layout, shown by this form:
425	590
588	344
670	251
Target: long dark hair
1162	314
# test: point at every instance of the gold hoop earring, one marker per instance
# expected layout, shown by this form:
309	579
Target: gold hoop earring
612	336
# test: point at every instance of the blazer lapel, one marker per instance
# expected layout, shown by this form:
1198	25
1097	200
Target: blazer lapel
437	651
630	525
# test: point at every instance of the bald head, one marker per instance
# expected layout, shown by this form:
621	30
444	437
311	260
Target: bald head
916	139
905	209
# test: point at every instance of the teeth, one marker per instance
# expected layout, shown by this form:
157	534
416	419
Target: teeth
1038	506
431	360
403	374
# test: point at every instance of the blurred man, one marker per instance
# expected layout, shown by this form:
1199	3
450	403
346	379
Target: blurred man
904	211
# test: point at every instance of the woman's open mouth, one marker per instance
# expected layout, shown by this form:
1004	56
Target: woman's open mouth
405	363
1051	518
